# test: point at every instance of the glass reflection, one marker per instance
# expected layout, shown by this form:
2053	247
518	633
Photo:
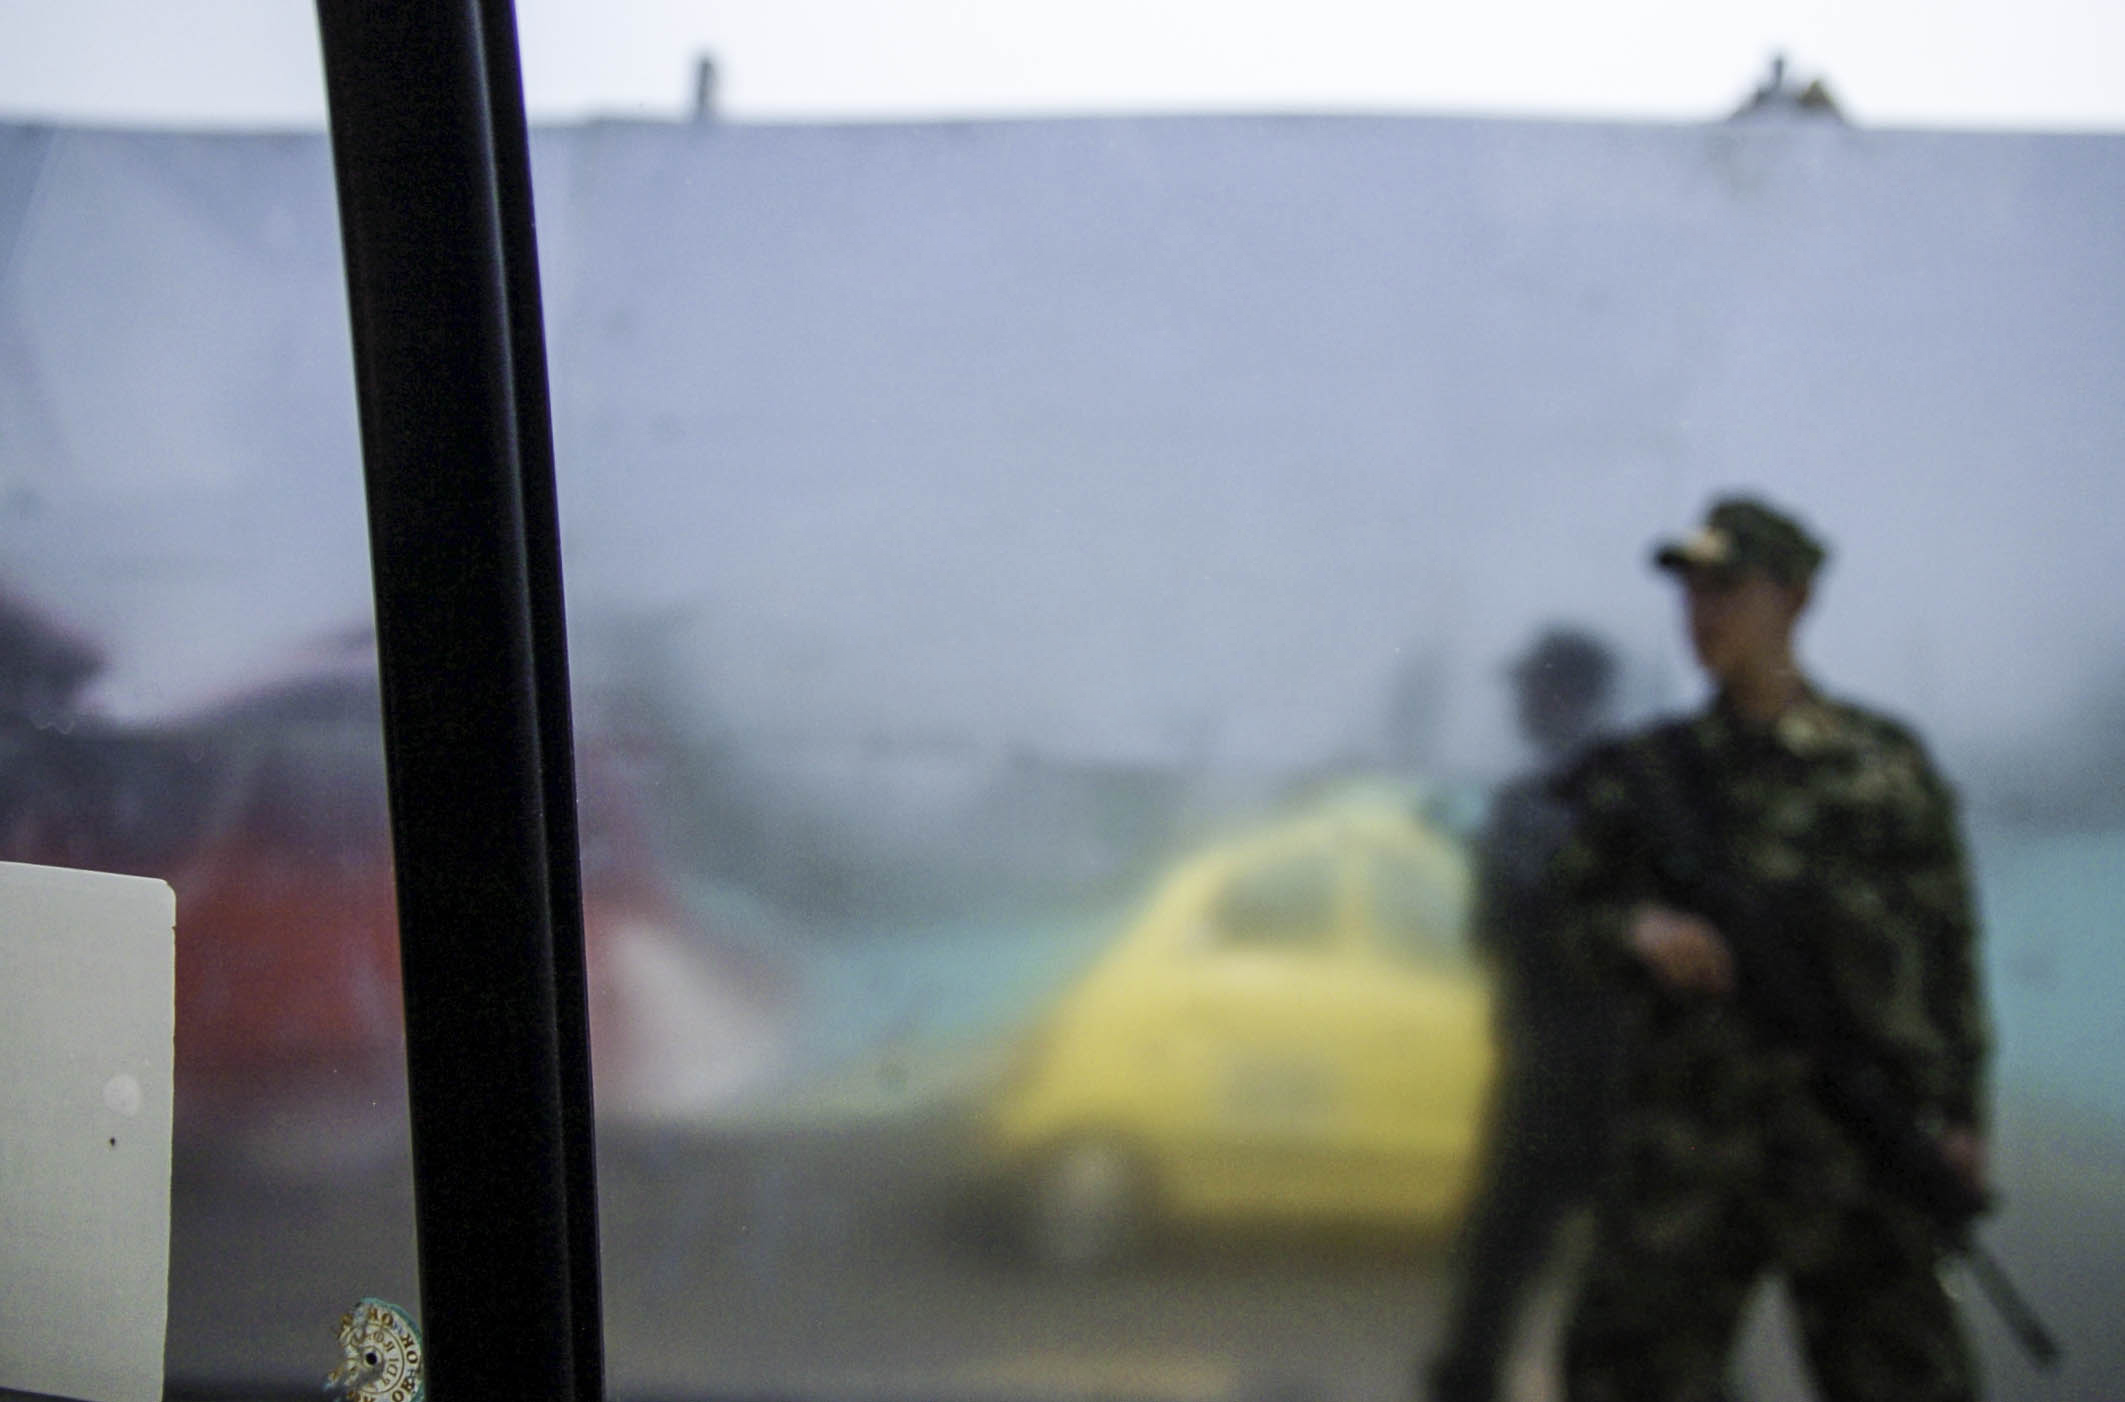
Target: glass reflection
1040	594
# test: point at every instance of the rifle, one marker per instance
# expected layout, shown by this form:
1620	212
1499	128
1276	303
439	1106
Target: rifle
1786	993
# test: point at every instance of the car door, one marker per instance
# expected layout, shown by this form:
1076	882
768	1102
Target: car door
1415	1023
1262	987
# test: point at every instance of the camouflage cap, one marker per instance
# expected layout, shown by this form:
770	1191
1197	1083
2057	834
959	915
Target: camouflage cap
1743	533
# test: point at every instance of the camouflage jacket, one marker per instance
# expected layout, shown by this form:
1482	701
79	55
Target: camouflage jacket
1831	801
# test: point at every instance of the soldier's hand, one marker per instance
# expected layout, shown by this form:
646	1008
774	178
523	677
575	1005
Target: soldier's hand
1964	1149
1685	953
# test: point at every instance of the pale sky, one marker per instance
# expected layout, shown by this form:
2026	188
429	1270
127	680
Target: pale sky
2045	64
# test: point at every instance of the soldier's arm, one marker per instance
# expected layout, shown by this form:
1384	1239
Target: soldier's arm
1614	920
1905	961
1598	882
1939	890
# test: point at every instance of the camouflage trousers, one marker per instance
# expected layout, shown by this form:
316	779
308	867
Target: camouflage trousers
1658	1314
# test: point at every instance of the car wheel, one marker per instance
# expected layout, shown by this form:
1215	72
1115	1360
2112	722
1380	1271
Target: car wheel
1089	1205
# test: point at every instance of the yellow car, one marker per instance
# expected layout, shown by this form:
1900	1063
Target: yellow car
1293	1030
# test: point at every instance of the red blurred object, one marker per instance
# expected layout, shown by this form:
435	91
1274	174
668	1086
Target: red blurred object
267	813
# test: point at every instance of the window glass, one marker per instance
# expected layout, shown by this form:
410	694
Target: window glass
188	691
979	532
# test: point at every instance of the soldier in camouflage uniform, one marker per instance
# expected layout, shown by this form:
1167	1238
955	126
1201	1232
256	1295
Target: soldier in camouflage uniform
1726	1163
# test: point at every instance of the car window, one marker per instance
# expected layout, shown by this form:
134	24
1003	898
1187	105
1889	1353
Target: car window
1288	903
1417	909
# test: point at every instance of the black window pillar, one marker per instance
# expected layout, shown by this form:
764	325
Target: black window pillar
433	172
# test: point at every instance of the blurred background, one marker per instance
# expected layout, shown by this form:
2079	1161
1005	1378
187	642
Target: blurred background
1050	498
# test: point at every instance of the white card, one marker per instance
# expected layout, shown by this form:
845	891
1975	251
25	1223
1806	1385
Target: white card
87	1014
